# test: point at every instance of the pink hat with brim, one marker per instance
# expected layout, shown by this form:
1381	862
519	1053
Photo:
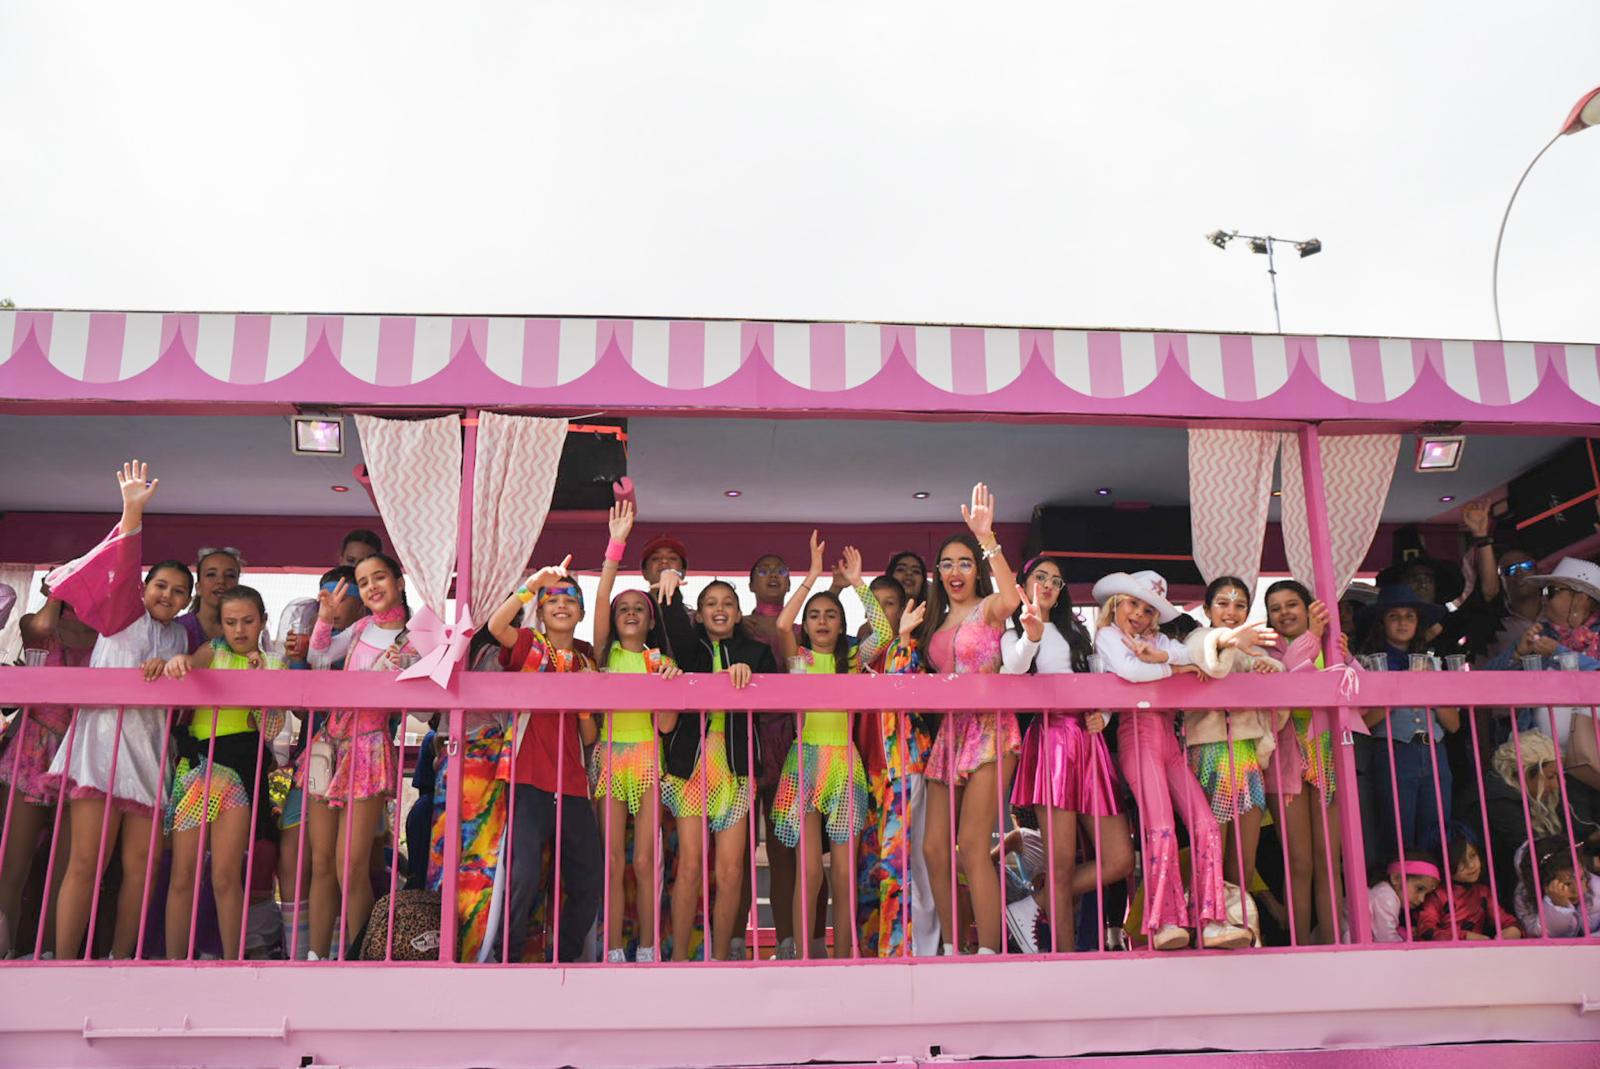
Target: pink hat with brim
1149	587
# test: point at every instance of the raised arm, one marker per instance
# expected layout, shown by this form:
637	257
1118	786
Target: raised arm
502	625
791	608
620	523
881	633
327	649
1475	518
979	517
102	586
1017	651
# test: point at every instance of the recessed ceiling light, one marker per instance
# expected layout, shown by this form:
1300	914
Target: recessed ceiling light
732	493
920	495
1104	491
1447	498
336	488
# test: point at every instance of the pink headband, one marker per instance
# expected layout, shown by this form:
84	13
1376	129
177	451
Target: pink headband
650	606
1414	868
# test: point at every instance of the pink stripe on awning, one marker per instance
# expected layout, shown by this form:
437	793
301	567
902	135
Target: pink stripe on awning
827	356
541	352
397	337
1494	387
469	338
755	340
324	337
252	334
102	361
1039	344
686	354
1366	370
968	371
1105	364
36	324
614	337
1238	368
178	333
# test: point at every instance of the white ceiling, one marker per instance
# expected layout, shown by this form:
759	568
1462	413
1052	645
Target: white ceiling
810	471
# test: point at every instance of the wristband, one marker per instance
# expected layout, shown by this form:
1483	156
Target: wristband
614	550
992	552
1480	543
524	595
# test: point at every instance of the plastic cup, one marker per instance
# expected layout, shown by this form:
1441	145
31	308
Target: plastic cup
34	658
1532	662
797	665
1097	663
1568	661
1455	662
1376	662
1421	662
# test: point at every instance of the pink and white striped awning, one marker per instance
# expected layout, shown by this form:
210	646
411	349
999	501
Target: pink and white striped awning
726	364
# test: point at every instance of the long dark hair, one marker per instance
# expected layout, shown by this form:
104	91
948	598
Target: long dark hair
1074	632
938	601
894	562
1377	640
394	570
739	631
845	646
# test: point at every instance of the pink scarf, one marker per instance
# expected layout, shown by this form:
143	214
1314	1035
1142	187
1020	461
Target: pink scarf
1585	638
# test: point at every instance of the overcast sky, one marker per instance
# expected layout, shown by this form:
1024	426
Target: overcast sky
1046	163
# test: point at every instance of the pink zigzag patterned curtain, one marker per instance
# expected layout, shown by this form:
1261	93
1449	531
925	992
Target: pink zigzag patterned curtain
1230	487
415	467
1356	473
514	478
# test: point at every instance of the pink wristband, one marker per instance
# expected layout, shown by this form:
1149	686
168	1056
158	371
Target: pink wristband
614	550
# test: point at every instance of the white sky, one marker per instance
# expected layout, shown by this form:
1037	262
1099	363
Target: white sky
1021	163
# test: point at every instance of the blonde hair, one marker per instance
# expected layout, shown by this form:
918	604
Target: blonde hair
1537	751
1108	613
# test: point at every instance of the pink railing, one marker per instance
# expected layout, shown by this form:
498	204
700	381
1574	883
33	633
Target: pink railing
1482	697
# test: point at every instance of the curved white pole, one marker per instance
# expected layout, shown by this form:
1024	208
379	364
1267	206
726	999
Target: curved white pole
1501	236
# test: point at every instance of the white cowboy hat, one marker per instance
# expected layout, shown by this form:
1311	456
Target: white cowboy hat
1147	586
1573	574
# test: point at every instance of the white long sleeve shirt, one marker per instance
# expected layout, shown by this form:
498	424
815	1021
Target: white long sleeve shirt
1018	652
1125	663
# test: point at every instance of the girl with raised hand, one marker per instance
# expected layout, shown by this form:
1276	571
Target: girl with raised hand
967	608
137	628
352	767
1066	774
1128	639
625	769
708	780
27	748
1308	820
229	765
545	753
822	776
216	571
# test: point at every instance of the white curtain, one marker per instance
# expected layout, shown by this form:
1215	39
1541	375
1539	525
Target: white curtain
1356	473
1230	487
415	467
514	478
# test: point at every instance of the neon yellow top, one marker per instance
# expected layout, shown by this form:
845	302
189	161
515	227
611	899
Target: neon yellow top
228	720
718	720
629	725
826	727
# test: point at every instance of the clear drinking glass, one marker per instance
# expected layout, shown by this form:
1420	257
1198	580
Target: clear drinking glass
797	665
1532	662
1097	663
1568	661
34	658
1455	662
1422	662
1376	662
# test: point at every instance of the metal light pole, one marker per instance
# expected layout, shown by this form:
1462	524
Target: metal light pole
1585	113
1262	244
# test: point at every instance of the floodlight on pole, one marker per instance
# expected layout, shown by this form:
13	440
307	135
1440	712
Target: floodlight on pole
1585	113
1262	244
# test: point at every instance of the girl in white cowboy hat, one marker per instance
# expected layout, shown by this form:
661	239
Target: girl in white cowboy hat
1154	764
1568	623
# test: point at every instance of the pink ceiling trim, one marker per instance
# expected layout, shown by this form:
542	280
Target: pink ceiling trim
862	367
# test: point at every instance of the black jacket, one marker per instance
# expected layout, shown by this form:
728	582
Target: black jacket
683	741
673	631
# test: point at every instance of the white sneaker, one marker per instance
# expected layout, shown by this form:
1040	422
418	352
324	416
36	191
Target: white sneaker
1171	937
1022	919
616	956
644	955
1219	936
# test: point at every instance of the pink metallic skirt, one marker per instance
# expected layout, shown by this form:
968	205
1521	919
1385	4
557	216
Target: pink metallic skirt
1064	766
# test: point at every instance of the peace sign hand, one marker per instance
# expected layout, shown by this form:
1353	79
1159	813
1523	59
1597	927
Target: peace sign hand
328	601
1032	618
979	516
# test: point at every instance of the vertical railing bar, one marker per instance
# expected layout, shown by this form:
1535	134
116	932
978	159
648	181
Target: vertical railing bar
1444	842
1001	812
1151	898
301	862
450	854
55	835
394	842
1399	823
1283	836
1571	832
707	927
754	917
1483	813
1537	890
555	853
1321	717
1052	892
509	861
151	852
250	835
1195	898
956	935
21	726
105	825
205	826
657	837
610	782
903	788
1238	827
803	818
851	761
341	928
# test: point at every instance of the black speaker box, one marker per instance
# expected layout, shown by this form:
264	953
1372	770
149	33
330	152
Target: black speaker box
1119	539
590	462
1553	483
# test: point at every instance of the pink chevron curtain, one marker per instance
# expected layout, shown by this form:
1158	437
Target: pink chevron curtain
1230	487
514	478
1356	473
415	467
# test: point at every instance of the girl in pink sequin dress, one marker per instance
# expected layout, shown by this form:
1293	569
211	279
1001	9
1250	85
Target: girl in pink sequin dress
974	753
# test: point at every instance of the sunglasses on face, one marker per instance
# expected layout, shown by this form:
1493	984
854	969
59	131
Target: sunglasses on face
964	566
1521	567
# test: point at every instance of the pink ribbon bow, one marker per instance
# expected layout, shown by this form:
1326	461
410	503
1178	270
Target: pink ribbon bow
1349	687
442	646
